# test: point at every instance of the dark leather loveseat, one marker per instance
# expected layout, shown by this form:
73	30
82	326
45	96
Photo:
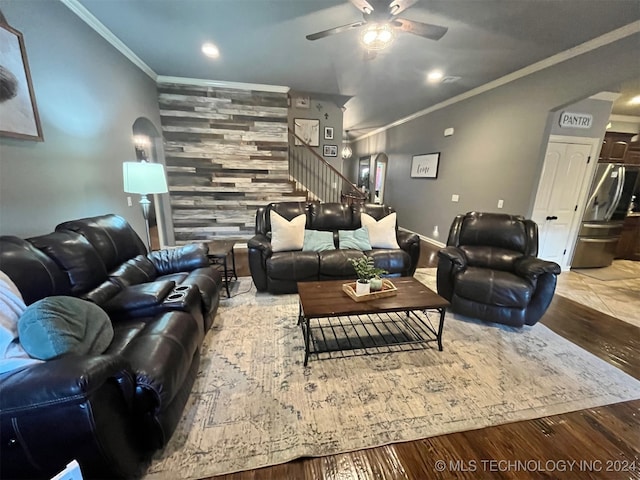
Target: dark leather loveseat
489	269
279	272
108	411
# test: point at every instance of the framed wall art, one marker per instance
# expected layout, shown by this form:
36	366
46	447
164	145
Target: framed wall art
302	102
330	150
328	133
425	166
308	130
18	111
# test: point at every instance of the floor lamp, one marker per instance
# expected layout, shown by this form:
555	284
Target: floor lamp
144	179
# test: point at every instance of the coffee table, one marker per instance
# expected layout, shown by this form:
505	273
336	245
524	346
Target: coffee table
386	324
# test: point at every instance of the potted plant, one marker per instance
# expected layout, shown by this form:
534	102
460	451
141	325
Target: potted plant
368	275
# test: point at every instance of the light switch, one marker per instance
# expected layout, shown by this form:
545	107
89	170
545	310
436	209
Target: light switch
448	132
129	202
455	198
500	203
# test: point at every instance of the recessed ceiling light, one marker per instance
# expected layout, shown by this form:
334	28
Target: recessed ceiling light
435	76
635	100
210	50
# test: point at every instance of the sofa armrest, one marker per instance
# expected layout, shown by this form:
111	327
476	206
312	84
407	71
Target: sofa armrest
141	300
262	243
532	267
73	407
410	243
180	259
453	255
66	379
451	261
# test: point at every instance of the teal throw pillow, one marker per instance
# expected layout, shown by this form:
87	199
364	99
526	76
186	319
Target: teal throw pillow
59	325
317	241
354	239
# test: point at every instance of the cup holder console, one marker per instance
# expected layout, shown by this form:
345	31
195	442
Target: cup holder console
177	294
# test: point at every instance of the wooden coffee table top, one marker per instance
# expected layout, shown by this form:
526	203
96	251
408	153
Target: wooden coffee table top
326	299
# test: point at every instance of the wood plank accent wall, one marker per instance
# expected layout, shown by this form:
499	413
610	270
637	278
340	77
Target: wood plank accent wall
226	152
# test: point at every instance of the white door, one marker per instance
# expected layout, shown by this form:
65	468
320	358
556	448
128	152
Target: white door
556	206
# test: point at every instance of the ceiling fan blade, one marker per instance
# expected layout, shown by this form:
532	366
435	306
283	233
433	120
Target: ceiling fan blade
333	31
432	32
398	6
362	5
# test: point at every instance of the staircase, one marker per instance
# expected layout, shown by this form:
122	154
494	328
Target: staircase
314	176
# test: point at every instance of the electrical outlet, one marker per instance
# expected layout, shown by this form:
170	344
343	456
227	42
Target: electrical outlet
455	198
500	203
435	233
129	202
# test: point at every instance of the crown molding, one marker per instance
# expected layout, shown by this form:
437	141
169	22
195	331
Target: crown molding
624	118
108	35
606	96
601	41
222	84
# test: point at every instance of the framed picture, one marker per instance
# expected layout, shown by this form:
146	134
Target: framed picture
302	102
328	133
330	150
425	166
18	111
308	130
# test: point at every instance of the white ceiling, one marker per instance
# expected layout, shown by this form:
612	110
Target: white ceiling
263	41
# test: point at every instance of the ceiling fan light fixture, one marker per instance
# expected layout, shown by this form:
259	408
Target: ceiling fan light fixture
377	36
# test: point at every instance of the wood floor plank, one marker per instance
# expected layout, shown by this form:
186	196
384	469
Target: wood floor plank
605	439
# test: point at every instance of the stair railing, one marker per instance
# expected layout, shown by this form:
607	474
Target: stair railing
318	177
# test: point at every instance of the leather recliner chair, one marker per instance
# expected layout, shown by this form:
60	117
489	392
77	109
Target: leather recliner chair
489	269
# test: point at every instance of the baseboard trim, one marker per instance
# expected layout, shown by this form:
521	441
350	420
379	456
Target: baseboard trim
426	239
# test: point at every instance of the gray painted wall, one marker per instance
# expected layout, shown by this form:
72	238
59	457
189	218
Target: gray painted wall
88	96
499	142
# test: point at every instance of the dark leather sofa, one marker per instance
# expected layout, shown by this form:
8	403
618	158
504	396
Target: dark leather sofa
489	269
279	272
111	411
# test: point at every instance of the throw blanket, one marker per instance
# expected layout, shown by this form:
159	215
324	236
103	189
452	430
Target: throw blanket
12	355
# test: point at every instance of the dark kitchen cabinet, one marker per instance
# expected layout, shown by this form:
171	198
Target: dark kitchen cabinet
629	244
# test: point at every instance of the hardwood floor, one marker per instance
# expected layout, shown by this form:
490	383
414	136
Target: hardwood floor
602	442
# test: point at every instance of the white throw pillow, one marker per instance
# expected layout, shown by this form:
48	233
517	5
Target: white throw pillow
382	234
287	235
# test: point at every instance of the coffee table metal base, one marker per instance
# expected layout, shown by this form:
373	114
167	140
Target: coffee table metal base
367	334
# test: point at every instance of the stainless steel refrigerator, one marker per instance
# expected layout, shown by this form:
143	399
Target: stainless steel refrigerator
607	206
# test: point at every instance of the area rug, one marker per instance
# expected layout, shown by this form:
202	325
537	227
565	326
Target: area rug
254	404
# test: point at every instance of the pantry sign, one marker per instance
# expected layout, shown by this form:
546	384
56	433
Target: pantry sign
575	120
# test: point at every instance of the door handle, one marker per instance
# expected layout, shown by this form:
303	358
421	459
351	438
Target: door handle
552	218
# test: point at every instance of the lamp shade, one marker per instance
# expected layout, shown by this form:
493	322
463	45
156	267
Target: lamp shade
143	178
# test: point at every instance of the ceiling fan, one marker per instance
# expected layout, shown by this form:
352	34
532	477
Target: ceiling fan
381	21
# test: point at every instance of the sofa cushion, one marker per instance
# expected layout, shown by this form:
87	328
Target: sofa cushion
59	325
355	239
335	263
317	241
395	262
75	256
287	235
294	266
493	287
382	233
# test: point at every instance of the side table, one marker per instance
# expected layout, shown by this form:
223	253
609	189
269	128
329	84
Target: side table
219	253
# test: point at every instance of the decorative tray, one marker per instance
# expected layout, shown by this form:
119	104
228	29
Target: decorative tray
388	290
